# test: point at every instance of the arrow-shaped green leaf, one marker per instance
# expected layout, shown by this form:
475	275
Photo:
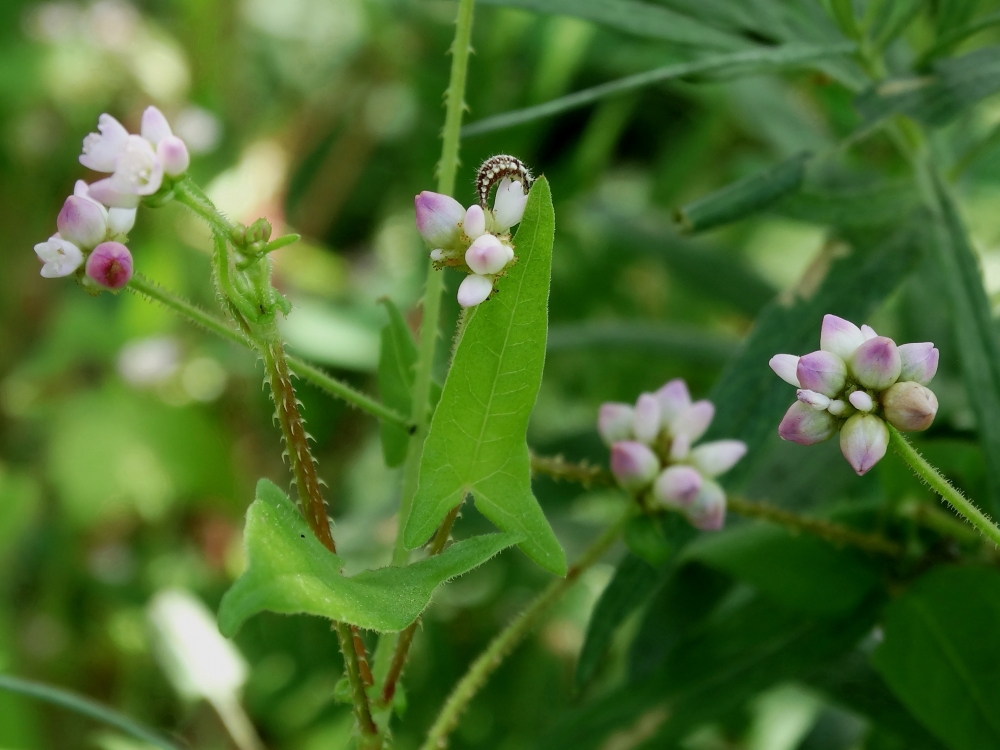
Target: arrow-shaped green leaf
290	572
476	442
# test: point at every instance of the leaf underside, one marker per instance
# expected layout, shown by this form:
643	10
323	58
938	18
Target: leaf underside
290	572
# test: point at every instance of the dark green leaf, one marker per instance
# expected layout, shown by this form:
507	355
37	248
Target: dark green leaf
749	398
941	654
961	282
642	19
744	197
951	86
476	442
863	207
397	358
691	344
801	572
289	571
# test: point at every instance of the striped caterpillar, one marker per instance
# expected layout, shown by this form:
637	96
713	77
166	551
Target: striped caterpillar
495	169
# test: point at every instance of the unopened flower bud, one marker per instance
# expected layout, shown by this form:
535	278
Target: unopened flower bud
438	219
815	400
437	255
806	426
718	457
486	255
909	406
680	447
694	420
509	203
823	372
861	401
837	407
633	464
259	231
785	366
677	486
83	221
646	418
474	223
474	289
614	422
120	221
919	362
59	257
863	441
674	398
868	332
154	126
708	511
100	150
840	337
173	154
110	265
876	363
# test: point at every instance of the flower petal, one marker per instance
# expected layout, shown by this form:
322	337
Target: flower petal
718	457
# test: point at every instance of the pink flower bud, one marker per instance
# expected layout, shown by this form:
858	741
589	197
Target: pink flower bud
806	426
100	150
909	406
154	126
646	418
474	223
486	255
840	337
59	257
785	367
83	221
822	372
438	219
474	289
708	511
813	399
718	457
876	364
674	398
110	265
173	154
863	441
508	205
868	332
633	464
614	422
677	486
693	421
861	401
919	362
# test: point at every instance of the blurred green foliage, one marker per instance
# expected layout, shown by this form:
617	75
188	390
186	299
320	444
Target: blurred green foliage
130	442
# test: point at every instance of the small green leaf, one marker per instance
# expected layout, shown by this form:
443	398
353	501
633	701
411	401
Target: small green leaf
290	572
961	284
869	206
397	358
476	442
641	19
744	197
941	654
801	572
952	86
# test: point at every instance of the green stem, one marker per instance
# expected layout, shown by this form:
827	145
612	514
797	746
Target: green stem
447	167
146	288
186	191
504	643
963	506
85	707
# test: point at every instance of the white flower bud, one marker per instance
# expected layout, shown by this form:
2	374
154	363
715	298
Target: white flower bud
693	421
785	367
173	154
840	337
474	289
646	418
508	205
674	398
708	511
154	127
813	399
633	464
861	401
486	255
474	223
677	486
718	457
614	422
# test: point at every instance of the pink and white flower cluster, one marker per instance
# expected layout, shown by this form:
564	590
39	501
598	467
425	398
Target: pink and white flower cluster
652	447
95	221
855	383
474	240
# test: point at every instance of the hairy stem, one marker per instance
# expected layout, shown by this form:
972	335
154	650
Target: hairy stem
962	505
511	636
447	167
149	289
188	192
369	732
406	637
